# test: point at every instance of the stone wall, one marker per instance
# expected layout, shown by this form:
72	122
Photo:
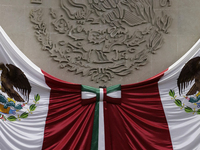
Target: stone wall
102	43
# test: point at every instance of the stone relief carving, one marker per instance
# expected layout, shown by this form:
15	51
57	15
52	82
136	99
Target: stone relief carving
164	3
36	1
102	38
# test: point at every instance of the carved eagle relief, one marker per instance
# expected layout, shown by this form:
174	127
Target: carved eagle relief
190	72
103	39
112	12
13	78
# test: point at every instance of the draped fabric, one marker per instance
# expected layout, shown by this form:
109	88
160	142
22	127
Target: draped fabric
182	117
60	115
68	123
143	117
23	132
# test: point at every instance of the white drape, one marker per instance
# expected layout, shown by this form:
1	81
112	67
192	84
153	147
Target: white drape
184	127
25	133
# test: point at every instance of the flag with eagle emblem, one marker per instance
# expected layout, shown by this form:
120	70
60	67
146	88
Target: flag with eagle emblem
39	111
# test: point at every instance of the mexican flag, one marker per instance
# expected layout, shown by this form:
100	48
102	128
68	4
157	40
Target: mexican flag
150	115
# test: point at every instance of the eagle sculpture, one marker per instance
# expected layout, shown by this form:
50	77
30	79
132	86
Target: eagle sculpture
190	72
111	12
114	12
13	78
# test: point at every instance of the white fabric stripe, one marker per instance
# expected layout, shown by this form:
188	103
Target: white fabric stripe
101	94
29	132
183	127
101	139
87	95
115	94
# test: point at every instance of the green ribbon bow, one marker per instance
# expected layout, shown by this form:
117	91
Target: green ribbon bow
98	95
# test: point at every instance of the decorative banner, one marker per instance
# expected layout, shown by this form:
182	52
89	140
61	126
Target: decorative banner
181	100
38	111
91	95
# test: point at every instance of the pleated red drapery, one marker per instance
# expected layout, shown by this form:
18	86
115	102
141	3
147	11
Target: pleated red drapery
69	123
137	123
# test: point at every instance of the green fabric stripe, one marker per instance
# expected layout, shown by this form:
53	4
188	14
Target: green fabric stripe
113	88
89	89
95	131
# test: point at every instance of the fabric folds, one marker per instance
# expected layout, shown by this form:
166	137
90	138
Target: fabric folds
149	115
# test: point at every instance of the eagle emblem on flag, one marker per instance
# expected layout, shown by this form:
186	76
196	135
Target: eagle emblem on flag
189	73
14	93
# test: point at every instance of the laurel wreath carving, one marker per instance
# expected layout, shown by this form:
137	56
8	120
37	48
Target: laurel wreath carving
115	48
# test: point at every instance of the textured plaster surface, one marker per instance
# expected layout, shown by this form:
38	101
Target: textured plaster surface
183	33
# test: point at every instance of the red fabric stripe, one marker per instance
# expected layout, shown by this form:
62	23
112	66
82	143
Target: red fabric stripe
139	123
68	123
104	93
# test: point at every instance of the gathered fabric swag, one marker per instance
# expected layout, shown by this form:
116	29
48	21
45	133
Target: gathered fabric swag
39	111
